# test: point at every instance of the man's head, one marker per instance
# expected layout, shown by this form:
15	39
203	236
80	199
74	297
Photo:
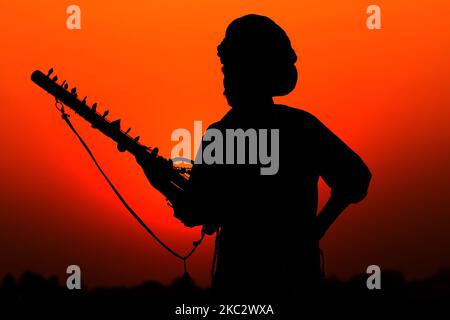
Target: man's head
258	61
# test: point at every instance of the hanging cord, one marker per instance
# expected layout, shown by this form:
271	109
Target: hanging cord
322	264
184	258
216	251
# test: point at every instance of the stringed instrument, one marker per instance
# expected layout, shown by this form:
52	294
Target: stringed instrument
177	177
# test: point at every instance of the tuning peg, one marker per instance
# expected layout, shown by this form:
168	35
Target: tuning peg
84	100
55	78
105	113
63	83
136	139
128	130
65	86
154	152
50	71
94	106
116	124
74	90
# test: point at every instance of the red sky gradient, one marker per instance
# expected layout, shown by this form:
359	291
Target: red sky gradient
154	64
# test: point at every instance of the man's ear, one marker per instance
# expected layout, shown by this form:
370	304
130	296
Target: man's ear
284	80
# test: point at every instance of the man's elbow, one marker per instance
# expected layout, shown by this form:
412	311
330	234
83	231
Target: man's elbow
354	188
361	187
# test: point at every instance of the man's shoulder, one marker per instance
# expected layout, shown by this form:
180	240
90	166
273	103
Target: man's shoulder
280	113
294	112
296	117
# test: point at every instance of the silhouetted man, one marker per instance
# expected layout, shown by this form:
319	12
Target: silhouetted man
268	246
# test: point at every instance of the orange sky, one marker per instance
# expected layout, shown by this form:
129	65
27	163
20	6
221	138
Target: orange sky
153	64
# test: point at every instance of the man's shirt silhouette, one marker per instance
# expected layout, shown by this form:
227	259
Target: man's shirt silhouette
268	244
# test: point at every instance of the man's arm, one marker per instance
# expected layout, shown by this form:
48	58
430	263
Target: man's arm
339	201
330	212
196	203
343	171
158	172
